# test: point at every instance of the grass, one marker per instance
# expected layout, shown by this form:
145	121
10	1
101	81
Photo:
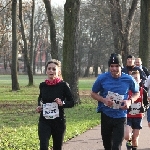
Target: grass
18	123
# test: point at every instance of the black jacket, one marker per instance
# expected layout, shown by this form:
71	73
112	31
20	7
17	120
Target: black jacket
48	93
127	70
146	71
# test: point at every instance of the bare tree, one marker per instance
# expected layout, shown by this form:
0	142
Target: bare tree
121	34
70	48
26	55
5	30
144	45
54	47
32	35
14	74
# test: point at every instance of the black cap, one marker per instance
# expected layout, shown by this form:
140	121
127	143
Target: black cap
130	56
115	59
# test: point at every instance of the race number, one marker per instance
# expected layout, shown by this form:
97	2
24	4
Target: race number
50	110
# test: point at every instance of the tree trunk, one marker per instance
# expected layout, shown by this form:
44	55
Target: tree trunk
121	35
144	44
70	49
14	74
90	58
31	35
35	51
127	31
54	47
116	25
26	56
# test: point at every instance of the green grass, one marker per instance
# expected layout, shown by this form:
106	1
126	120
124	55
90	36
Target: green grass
18	119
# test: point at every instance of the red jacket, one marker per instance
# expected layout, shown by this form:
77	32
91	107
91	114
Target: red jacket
135	110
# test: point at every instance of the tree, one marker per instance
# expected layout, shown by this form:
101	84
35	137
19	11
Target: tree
144	44
32	35
54	47
25	49
70	48
14	74
5	25
96	35
122	33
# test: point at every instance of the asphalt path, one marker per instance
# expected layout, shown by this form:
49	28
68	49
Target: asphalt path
91	140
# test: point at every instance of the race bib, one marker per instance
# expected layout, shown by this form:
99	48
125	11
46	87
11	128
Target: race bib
135	108
116	98
50	110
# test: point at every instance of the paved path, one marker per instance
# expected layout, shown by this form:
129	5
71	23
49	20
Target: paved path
91	140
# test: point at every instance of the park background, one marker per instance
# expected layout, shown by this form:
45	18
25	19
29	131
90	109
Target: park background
19	120
81	34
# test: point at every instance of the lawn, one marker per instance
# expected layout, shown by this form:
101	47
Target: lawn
18	123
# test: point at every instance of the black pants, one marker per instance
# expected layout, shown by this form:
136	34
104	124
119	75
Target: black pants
112	130
56	128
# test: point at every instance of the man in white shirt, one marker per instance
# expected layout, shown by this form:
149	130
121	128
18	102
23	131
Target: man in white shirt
138	63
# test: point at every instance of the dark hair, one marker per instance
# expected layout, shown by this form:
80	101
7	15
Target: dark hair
135	72
130	56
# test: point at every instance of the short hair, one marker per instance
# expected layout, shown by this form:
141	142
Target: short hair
135	72
131	56
139	59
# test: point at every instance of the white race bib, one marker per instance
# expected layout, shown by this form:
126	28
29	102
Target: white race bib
135	108
50	110
116	98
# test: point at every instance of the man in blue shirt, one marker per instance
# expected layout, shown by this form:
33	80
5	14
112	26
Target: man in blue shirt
111	91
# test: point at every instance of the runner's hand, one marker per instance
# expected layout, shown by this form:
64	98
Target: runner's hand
58	101
38	109
125	104
108	102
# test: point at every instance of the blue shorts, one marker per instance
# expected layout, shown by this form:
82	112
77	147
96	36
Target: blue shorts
148	114
135	123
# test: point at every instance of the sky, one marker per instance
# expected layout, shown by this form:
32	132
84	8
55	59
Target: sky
58	2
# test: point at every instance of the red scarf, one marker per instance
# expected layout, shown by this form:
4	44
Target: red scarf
53	82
